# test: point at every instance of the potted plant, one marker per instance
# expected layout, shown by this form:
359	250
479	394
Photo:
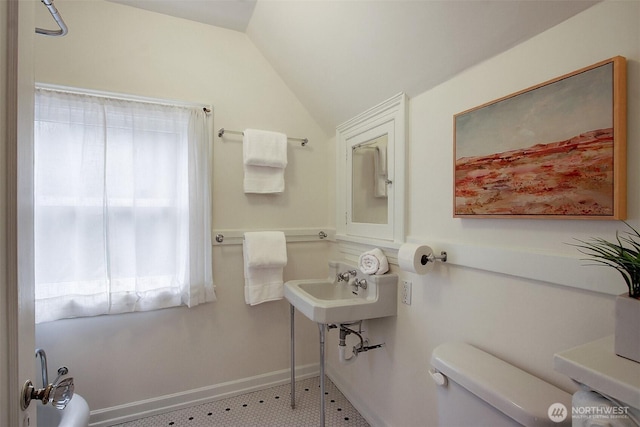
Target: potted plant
624	256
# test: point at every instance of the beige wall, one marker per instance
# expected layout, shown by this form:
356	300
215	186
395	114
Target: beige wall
523	321
126	358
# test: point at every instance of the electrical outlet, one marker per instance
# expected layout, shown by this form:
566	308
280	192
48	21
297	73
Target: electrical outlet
406	292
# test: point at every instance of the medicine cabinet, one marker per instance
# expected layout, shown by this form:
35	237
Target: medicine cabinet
371	175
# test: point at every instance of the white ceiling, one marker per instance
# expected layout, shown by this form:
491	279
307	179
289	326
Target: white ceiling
231	14
341	57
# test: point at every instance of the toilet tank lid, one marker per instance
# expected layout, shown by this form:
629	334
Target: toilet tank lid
516	393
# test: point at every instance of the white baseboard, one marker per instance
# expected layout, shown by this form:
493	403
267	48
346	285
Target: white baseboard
352	396
146	408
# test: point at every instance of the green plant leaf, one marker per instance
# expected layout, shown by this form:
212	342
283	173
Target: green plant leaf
622	255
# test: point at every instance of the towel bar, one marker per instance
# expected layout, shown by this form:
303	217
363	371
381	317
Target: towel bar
235	237
222	131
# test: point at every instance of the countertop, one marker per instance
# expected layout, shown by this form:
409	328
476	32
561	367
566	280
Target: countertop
596	365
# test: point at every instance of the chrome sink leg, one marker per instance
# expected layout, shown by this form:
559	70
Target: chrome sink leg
322	328
293	360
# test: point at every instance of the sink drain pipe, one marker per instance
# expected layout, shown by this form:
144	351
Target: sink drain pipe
342	346
362	346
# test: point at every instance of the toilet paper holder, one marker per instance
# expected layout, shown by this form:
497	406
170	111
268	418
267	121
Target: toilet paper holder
432	258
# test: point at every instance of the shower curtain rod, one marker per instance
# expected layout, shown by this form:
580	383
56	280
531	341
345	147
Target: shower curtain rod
56	16
222	131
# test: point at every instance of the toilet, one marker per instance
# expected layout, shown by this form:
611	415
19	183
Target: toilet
478	389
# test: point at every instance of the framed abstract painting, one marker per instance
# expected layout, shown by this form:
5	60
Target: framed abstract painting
556	150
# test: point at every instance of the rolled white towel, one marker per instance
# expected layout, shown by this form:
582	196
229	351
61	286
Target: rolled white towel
373	262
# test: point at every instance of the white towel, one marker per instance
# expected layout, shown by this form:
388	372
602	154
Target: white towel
264	148
265	249
380	168
265	255
373	262
264	159
263	179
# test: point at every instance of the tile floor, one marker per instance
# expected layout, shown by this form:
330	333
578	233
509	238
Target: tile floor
265	408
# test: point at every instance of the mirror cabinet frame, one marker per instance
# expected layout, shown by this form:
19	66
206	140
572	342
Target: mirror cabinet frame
389	118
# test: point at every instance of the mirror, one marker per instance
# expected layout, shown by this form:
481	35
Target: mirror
370	181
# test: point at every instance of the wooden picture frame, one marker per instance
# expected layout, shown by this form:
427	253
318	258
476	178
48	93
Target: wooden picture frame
553	151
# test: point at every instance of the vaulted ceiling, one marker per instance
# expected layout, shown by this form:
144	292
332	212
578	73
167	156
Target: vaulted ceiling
341	57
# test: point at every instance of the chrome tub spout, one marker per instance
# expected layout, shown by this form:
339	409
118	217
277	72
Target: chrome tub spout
43	366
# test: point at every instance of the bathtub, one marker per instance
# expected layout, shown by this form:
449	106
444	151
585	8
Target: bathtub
76	414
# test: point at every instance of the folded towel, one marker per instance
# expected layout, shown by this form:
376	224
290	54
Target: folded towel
264	156
373	262
264	148
265	249
263	179
262	285
265	255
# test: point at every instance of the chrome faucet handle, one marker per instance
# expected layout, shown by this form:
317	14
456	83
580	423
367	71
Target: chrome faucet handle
362	283
344	277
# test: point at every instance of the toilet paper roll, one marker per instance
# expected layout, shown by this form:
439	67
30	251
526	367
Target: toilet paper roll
412	257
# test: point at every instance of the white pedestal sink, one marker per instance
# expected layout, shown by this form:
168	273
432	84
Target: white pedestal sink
331	302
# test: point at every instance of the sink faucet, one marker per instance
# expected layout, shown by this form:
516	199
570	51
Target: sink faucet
344	277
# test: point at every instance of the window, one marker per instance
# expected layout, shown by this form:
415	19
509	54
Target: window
122	206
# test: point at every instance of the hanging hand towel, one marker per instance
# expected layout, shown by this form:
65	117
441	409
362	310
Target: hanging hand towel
264	157
373	262
380	172
265	255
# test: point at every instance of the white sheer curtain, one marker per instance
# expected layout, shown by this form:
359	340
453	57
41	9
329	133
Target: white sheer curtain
122	217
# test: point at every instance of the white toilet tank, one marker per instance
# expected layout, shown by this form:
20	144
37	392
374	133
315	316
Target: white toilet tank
479	389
